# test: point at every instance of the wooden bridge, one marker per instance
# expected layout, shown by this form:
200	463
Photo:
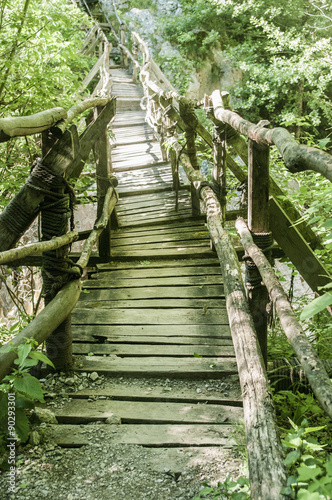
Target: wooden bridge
164	296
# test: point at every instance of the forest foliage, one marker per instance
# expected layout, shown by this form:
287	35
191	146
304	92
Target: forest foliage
41	67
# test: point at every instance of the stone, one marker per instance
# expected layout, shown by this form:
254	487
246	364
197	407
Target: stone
113	420
44	415
34	438
70	381
94	376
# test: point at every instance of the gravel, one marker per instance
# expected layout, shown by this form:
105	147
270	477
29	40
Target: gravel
104	470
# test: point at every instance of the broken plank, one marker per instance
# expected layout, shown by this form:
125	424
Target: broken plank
145	435
125	350
79	411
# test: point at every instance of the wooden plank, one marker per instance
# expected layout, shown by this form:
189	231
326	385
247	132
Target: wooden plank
150	282
149	316
160	394
153	333
152	303
161	292
126	350
129	118
155	264
167	253
80	335
296	248
145	435
160	273
196	225
175	235
188	243
79	411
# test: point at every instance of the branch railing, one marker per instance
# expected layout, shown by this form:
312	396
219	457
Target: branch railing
48	192
174	118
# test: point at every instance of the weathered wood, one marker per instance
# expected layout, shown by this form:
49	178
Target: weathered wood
125	350
258	222
297	157
212	261
43	324
296	248
159	253
27	125
36	248
265	456
79	108
165	331
241	148
146	435
149	317
157	292
88	138
150	282
83	336
311	364
136	412
171	367
143	303
109	203
160	273
103	182
160	393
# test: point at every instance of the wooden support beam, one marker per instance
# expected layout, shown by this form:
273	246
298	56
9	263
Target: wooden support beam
103	181
305	352
258	222
296	248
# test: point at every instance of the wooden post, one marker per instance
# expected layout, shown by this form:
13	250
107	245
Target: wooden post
135	54
123	28
219	167
188	116
102	176
258	222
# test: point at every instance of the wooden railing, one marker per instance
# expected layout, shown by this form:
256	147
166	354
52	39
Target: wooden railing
64	153
173	118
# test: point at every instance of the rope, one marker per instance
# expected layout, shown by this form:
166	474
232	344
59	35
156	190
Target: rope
253	278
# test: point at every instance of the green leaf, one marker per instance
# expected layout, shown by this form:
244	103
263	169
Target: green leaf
306	473
30	386
303	494
292	457
23	352
23	402
316	306
41	357
328	466
22	426
197	355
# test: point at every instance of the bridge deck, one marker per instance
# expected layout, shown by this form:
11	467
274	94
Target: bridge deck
156	310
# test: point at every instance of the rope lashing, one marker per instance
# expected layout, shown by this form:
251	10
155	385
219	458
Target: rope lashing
56	209
264	241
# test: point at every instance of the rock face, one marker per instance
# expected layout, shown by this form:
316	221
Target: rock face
216	72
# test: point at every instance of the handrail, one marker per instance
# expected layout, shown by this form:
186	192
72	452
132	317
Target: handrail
297	157
65	157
